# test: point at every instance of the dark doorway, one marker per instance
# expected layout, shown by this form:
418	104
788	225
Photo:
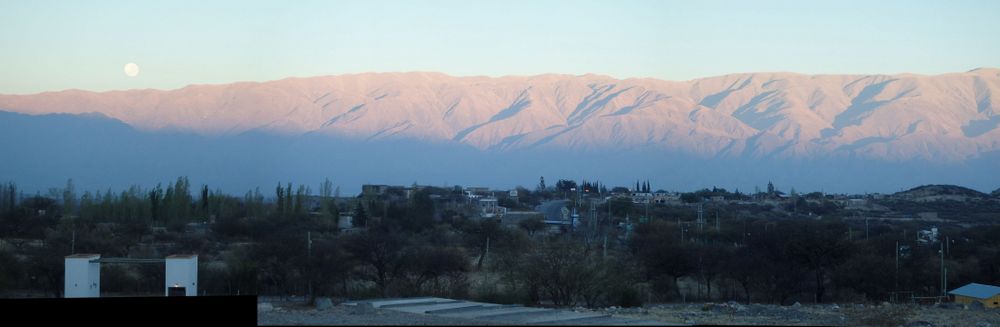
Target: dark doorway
176	291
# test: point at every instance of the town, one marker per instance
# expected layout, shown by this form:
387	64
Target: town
563	245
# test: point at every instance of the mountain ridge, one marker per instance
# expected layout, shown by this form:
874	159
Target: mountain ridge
945	118
99	152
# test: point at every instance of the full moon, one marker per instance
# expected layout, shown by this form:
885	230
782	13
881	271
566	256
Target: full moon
131	69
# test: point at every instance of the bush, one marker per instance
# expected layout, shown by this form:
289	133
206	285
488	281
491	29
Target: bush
491	294
627	297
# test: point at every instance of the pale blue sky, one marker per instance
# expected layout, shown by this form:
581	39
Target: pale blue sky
56	45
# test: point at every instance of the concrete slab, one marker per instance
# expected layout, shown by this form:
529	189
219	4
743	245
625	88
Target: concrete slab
498	312
434	306
378	302
475	312
606	321
477	307
650	323
403	303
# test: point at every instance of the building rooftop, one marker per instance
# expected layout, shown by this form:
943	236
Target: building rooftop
182	256
83	255
979	291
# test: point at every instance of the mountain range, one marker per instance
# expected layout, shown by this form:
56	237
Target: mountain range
931	124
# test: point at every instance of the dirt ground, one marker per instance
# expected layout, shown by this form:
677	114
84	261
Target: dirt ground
701	314
298	314
826	314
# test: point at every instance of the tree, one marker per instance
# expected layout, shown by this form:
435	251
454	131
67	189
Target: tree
620	206
181	202
360	217
541	184
204	199
857	273
690	197
10	270
819	248
8	197
300	197
327	204
532	225
253	200
477	234
329	264
69	198
565	185
434	270
662	253
155	198
711	259
743	268
280	199
381	250
289	199
770	188
419	215
564	271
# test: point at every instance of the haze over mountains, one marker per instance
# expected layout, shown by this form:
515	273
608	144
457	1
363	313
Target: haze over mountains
833	132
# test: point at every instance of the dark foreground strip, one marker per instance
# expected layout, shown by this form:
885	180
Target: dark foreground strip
133	311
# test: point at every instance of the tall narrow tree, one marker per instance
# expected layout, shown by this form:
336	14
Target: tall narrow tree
69	198
279	193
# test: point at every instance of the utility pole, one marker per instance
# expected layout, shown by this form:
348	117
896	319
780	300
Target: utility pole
947	247
945	283
593	215
72	244
605	254
487	253
897	267
942	269
309	244
866	228
716	221
744	231
701	218
647	209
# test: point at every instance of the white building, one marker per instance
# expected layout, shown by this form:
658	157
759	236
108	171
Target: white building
927	236
182	274
83	276
345	222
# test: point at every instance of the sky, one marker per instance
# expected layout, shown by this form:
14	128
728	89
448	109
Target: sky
58	45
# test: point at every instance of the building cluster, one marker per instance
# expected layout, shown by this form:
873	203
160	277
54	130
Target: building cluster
478	202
